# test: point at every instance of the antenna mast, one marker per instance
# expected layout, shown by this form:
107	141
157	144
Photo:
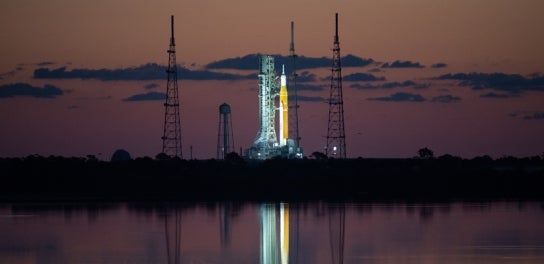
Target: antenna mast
295	106
336	138
171	139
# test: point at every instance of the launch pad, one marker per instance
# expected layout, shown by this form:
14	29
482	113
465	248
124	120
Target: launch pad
273	96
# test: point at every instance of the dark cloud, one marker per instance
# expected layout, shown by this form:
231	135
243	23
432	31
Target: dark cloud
387	85
402	64
308	87
150	71
510	83
361	77
391	85
439	65
7	74
150	96
445	99
45	63
151	86
366	86
251	62
534	116
24	89
305	76
353	61
499	95
11	73
400	97
375	70
311	98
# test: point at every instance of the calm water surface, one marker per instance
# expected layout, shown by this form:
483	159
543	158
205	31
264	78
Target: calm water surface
305	233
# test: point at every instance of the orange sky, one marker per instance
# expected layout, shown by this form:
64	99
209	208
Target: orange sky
469	36
127	33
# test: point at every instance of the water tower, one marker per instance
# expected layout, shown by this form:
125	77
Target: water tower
225	137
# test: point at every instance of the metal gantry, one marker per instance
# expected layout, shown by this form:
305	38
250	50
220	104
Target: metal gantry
171	139
336	137
266	139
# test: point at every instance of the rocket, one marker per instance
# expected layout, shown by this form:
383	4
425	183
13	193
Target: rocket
284	109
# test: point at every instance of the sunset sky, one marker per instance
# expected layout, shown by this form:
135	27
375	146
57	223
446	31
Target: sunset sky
461	77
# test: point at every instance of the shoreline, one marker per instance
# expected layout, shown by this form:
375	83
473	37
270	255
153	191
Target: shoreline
437	179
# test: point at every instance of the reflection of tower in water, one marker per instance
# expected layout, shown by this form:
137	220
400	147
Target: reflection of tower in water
172	231
225	212
275	234
337	228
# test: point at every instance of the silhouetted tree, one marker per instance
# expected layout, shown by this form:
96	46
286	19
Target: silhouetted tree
233	157
425	153
319	155
91	158
162	156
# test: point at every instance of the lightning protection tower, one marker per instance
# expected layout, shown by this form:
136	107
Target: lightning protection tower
224	132
171	139
293	87
336	138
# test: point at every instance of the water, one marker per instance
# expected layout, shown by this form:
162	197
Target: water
297	233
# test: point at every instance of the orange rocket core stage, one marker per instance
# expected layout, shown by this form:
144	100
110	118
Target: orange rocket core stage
284	109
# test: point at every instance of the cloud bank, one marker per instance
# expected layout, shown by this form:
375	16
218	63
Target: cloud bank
251	62
445	99
306	76
150	71
499	95
388	85
509	83
439	65
400	97
24	89
534	116
402	64
150	96
151	86
361	77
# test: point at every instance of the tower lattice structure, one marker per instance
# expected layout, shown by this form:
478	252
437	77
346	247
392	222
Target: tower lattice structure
266	139
171	139
336	137
293	86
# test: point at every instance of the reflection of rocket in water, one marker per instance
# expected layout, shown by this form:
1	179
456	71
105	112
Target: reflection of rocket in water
284	233
269	235
274	234
284	109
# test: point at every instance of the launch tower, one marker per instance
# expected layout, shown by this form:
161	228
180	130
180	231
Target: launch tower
267	144
171	139
266	140
336	137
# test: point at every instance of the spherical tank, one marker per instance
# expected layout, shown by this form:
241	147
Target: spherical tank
224	109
